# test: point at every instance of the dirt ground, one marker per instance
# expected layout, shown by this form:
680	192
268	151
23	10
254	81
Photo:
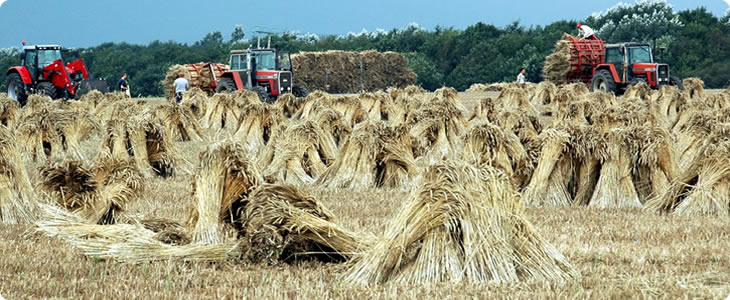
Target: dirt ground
619	253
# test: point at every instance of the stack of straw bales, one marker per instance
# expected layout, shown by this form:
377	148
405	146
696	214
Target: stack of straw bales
343	72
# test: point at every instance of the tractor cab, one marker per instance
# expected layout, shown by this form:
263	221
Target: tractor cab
35	58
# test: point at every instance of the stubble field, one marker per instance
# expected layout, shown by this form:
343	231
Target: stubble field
620	253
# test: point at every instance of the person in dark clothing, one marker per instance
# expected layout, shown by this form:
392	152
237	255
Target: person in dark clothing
123	85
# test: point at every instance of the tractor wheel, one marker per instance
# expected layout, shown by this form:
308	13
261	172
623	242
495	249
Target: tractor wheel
263	95
674	80
16	88
225	85
300	91
603	81
47	89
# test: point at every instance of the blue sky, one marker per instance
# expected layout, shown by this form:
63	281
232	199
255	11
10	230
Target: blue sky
83	23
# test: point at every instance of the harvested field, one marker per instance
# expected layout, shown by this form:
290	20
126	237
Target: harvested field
537	171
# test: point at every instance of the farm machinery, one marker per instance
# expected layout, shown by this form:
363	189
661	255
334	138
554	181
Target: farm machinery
614	67
42	71
264	71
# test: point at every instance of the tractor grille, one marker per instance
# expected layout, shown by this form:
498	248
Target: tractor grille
663	73
285	82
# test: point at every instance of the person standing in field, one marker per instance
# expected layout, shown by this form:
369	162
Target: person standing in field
124	85
586	32
521	76
181	85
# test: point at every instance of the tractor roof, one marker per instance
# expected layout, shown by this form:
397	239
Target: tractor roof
42	47
628	44
251	50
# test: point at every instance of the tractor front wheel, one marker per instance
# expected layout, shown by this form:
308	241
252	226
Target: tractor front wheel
263	95
16	88
300	91
674	80
47	89
225	85
603	81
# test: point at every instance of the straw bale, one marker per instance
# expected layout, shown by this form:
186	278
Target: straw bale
695	87
374	155
301	157
9	111
195	101
463	224
547	186
225	178
256	125
281	223
17	197
129	243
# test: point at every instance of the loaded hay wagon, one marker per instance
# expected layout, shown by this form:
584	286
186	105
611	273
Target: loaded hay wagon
606	67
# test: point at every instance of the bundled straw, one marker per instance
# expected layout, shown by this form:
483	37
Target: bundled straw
695	87
223	182
301	156
223	113
462	224
257	124
179	122
488	144
195	101
615	187
547	185
544	93
17	198
374	155
437	127
129	243
281	223
99	194
9	111
557	64
92	99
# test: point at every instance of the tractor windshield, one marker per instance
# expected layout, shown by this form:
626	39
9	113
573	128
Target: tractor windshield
640	54
266	61
284	61
46	57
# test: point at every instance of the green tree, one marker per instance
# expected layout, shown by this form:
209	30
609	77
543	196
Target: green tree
429	76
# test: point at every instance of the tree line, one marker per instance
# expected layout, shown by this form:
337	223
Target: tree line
693	42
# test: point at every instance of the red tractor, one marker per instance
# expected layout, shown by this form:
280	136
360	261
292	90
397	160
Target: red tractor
42	71
614	67
264	71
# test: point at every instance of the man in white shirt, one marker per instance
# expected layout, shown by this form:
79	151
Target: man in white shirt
586	32
521	76
180	85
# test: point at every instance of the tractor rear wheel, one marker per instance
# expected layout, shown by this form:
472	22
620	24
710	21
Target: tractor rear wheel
603	81
225	85
16	88
47	89
263	95
674	80
300	91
